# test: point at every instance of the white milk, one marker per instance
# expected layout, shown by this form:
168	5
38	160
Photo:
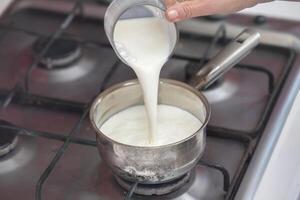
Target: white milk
130	126
145	45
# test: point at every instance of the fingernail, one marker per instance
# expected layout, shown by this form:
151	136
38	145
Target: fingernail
173	14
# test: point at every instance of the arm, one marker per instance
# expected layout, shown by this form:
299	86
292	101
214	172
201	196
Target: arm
184	9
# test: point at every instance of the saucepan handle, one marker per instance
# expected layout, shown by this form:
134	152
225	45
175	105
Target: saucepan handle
233	53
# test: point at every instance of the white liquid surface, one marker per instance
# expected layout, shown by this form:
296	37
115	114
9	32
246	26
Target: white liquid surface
131	126
144	43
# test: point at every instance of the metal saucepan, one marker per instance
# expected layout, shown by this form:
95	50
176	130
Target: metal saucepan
152	165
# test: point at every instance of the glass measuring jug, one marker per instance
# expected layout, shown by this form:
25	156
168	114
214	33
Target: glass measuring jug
133	9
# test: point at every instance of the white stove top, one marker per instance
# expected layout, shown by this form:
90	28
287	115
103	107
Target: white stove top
3	5
284	179
277	9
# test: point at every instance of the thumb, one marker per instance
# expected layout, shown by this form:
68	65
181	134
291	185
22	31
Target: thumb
183	10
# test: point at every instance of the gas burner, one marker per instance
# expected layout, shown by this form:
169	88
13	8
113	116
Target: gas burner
8	139
62	53
178	185
65	61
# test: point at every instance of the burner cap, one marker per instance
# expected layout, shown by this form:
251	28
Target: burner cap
62	52
158	189
8	139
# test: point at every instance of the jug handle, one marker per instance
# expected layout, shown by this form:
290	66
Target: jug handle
233	53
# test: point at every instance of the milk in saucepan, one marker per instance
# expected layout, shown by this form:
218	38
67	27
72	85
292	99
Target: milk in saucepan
131	126
145	45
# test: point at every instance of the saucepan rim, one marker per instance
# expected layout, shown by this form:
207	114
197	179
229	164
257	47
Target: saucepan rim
129	83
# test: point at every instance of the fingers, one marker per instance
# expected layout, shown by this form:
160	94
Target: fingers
192	8
186	9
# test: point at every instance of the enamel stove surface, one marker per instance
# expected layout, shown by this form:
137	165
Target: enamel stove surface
47	101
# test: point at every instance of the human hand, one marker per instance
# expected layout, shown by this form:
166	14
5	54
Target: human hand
183	9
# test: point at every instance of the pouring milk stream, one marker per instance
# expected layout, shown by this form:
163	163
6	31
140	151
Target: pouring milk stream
145	45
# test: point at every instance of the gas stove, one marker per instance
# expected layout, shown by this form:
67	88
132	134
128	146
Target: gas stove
55	58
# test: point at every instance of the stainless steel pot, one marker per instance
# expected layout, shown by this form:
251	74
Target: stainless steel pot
152	165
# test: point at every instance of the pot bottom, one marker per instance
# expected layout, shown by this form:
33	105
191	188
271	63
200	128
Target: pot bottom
176	185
